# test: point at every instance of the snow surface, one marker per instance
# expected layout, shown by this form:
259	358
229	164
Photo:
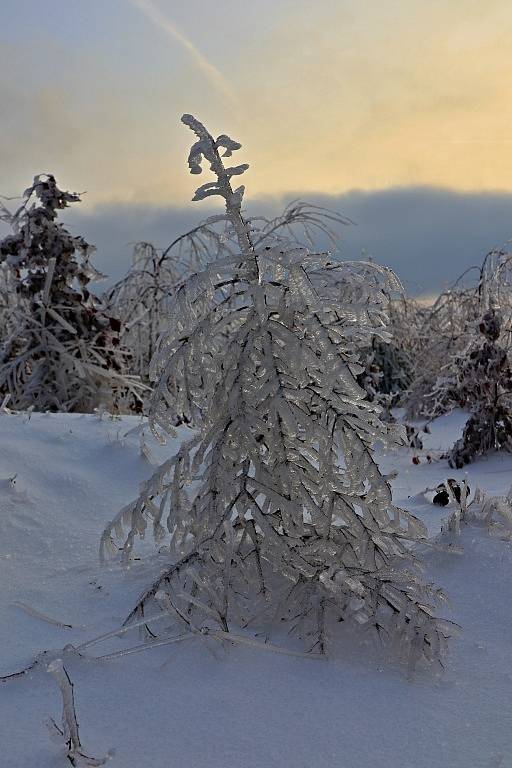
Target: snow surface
195	705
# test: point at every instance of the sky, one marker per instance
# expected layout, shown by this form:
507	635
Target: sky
398	112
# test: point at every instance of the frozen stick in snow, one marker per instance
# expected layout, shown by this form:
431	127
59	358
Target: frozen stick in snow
68	732
38	615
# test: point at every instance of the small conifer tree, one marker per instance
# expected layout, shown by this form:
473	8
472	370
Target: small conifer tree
276	510
61	351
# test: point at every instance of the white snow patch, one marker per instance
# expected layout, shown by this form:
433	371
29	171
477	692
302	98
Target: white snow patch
243	708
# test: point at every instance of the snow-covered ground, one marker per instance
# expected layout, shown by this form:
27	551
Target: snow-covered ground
196	706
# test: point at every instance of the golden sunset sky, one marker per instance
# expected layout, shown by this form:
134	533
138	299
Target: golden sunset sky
326	96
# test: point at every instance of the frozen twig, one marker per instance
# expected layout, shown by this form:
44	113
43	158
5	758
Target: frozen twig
38	615
68	731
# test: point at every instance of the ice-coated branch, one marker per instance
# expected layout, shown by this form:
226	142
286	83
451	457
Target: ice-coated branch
210	149
68	731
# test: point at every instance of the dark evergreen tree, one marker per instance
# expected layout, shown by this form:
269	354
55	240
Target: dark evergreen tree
61	349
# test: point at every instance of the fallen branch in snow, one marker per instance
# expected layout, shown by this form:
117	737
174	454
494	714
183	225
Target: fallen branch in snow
165	602
218	634
38	615
193	631
120	631
21	672
144	647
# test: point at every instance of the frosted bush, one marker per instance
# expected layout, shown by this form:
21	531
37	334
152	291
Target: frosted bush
484	385
448	335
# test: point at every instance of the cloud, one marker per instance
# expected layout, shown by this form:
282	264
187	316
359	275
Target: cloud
428	236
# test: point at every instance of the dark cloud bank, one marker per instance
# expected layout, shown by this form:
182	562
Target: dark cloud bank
428	236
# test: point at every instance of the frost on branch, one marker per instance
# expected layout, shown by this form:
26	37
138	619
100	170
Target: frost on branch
276	513
61	349
143	299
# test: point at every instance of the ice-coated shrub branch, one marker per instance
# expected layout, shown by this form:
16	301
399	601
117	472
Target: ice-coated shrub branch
142	299
276	513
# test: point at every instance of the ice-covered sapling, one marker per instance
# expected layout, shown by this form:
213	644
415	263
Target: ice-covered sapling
275	512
